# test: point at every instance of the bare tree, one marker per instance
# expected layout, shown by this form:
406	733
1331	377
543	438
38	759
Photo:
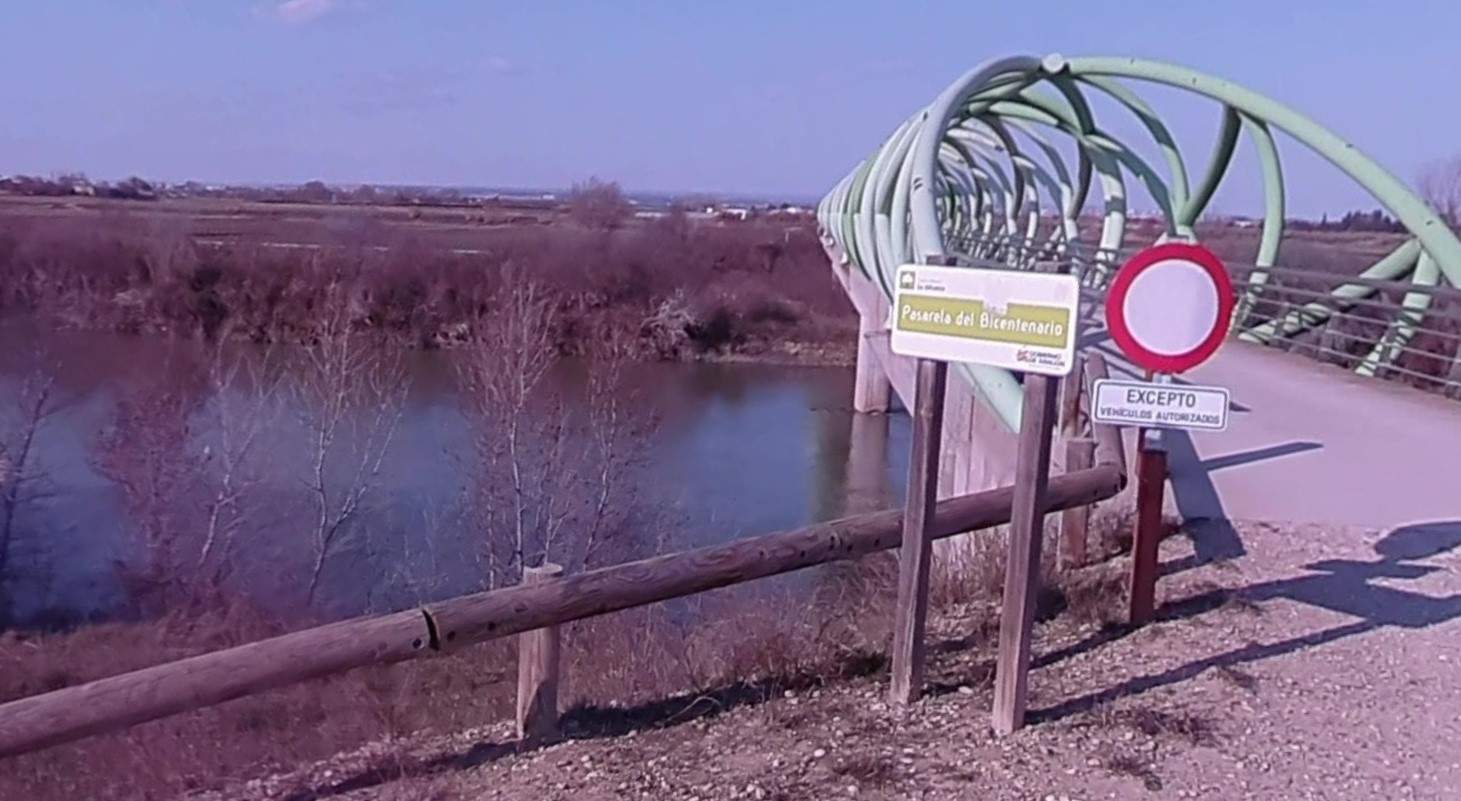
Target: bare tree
150	452
616	429
182	447
1440	185
503	375
21	479
244	389
552	478
352	391
598	204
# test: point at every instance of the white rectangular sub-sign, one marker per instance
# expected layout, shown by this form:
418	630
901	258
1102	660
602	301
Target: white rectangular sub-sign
1137	403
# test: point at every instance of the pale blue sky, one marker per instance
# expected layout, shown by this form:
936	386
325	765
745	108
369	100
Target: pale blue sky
777	98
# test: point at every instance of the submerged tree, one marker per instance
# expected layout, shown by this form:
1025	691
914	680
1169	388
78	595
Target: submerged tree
351	388
22	480
245	389
555	452
182	446
148	451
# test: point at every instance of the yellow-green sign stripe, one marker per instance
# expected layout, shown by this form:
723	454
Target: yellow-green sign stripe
1021	323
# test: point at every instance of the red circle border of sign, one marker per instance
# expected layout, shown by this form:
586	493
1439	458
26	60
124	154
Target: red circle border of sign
1138	264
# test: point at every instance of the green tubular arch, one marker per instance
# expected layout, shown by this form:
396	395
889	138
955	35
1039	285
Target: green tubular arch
1178	192
1412	311
1029	173
1391	267
955	170
1217	167
1065	200
1086	121
1410	210
1273	214
1104	163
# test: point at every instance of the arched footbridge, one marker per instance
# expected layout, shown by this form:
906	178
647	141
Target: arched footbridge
1343	363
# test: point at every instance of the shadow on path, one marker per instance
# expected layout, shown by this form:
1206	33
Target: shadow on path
1340	585
1258	455
1197	497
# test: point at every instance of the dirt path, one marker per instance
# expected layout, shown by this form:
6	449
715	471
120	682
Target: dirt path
1323	664
1319	432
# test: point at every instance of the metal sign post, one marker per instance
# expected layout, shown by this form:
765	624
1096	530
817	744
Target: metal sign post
1168	310
1151	485
1151	482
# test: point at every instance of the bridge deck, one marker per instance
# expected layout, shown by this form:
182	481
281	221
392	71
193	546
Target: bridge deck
1307	441
1312	442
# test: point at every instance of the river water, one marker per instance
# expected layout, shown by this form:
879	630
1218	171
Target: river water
734	450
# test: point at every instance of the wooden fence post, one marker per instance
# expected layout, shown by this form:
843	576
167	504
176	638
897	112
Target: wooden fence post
537	669
917	548
1080	453
1022	574
1151	478
1070	399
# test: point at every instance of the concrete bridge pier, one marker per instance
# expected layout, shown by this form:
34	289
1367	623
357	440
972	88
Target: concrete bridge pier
867	464
976	451
872	392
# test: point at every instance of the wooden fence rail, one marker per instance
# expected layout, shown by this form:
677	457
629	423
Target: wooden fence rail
114	703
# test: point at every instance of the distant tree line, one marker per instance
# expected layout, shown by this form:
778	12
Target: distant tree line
1374	221
363	195
77	184
315	192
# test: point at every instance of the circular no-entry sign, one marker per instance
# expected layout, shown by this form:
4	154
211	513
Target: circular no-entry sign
1170	306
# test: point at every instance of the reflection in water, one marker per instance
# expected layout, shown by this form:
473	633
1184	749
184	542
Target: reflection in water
737	450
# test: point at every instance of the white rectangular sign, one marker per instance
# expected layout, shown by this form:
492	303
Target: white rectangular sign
1137	403
1003	318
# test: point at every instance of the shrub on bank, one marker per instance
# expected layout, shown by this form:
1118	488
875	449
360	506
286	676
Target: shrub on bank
137	274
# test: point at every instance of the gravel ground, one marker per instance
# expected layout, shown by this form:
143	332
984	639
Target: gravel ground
1321	664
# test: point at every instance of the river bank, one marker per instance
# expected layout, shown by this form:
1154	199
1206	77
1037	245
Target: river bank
669	288
1248	686
622	672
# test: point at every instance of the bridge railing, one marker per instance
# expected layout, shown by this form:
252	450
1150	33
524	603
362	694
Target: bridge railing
1011	159
1376	327
1403	329
114	703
